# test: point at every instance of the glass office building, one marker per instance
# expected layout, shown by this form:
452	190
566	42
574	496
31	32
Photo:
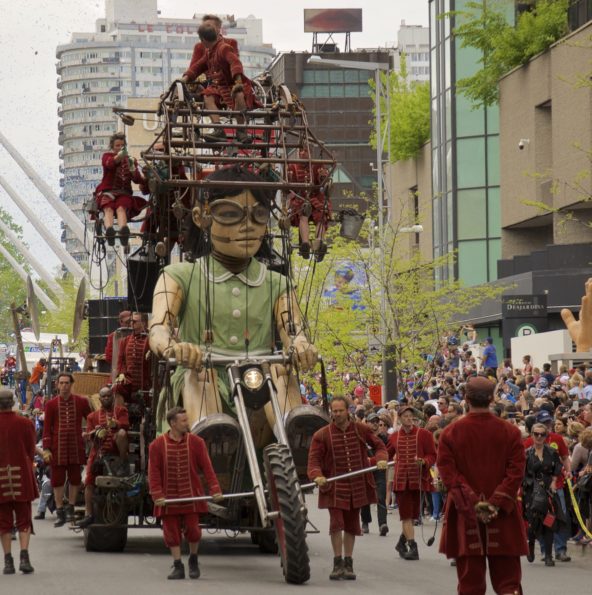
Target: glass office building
465	158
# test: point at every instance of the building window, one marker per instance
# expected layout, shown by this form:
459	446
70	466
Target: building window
470	162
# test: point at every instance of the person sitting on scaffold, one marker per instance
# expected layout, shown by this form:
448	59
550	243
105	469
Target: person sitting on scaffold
114	195
304	207
227	84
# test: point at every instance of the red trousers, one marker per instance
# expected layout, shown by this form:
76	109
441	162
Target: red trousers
174	526
504	571
58	475
408	502
345	520
15	514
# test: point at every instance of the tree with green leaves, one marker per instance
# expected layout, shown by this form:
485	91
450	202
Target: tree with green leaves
405	110
12	288
485	26
395	305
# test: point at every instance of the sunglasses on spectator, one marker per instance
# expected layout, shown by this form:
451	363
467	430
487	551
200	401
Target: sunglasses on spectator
540	434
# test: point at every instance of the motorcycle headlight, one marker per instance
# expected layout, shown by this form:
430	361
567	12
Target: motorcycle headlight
253	379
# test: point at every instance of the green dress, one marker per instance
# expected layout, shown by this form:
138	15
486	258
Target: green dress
240	307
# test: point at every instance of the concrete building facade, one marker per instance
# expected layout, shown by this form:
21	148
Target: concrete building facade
414	42
546	138
133	52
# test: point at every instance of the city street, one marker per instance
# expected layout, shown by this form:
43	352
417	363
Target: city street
233	565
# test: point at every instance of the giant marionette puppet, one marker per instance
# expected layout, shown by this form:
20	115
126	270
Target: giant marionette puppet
228	303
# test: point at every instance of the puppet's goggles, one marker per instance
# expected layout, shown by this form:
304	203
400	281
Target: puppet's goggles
229	212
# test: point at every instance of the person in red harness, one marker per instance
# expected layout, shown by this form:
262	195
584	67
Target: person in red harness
227	84
176	460
199	50
309	206
336	449
114	194
125	321
133	365
63	447
107	428
415	454
18	487
481	462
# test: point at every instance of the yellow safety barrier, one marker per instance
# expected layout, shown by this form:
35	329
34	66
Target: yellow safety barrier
577	509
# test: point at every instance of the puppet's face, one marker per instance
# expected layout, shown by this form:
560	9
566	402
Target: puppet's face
238	224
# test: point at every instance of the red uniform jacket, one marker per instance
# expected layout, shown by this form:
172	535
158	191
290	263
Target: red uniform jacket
118	177
222	65
62	429
173	472
320	203
480	457
199	51
102	417
132	362
17	449
335	452
109	348
417	444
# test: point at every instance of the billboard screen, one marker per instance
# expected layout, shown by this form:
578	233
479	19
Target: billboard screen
332	20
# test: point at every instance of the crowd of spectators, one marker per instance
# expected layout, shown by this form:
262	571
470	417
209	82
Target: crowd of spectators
549	408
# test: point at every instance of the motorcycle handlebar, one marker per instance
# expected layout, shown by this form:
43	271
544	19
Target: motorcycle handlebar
223	360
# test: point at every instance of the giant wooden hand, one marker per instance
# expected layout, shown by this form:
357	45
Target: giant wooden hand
581	330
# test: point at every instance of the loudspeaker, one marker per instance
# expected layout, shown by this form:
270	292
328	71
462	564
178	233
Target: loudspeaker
103	319
143	271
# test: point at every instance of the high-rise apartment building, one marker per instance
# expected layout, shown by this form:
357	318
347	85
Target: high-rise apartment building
133	52
414	42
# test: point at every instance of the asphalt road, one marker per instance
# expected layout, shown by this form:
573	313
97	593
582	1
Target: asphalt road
232	565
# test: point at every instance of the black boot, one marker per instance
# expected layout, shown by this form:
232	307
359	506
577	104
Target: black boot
337	572
39	516
70	513
348	569
549	561
401	546
178	571
61	520
193	566
530	555
124	234
412	553
25	565
88	520
110	236
8	564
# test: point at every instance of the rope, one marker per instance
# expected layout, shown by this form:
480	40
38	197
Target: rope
577	509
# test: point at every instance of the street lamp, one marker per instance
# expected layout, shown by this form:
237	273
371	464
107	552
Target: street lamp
388	378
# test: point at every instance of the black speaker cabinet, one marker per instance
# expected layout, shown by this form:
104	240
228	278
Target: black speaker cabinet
143	271
103	319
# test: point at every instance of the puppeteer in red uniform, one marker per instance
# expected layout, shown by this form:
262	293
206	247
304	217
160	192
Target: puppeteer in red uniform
63	446
18	487
481	462
125	320
336	449
199	50
107	429
176	460
314	206
415	454
114	194
133	362
227	85
113	420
